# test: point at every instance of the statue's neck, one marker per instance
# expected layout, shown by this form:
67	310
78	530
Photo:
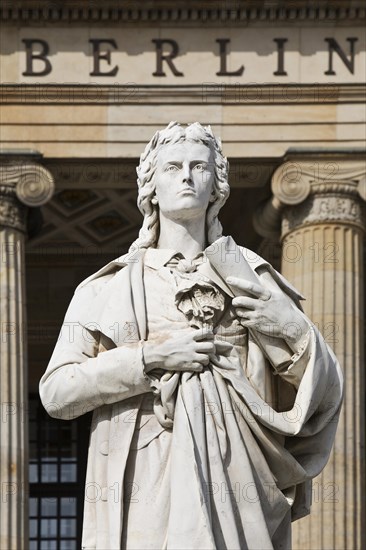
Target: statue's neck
187	237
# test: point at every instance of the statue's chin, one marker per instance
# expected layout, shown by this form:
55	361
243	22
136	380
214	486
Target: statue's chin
187	207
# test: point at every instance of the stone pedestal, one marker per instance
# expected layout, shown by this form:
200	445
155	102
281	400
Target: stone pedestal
319	202
22	185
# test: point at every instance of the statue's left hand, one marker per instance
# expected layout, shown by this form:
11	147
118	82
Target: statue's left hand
270	312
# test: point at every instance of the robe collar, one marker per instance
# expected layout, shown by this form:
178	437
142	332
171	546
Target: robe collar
164	255
159	257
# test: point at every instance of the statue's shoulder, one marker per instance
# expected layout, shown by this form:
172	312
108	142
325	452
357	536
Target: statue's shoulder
98	279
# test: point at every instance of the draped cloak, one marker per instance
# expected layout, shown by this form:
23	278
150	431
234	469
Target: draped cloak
247	440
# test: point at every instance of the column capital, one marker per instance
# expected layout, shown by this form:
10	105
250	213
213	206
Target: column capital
315	187
296	179
23	183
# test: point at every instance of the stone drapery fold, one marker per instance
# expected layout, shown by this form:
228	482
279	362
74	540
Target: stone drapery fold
241	459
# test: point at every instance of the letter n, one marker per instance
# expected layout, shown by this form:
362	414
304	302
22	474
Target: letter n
333	46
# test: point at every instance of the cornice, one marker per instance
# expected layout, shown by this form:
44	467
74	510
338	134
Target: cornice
184	12
206	93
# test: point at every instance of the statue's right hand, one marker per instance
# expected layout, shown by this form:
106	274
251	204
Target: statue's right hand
184	350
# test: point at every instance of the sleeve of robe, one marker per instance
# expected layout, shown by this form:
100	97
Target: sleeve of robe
299	402
79	378
288	365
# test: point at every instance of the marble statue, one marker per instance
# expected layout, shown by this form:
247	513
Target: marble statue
215	399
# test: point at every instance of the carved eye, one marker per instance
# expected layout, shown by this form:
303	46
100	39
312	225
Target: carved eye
172	168
200	166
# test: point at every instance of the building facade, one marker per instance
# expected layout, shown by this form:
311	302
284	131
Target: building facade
84	85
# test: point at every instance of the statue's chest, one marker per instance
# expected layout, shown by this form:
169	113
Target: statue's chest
175	302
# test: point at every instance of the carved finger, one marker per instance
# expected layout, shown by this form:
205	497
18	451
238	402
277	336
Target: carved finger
203	334
202	358
205	347
244	313
253	288
194	367
245	302
266	295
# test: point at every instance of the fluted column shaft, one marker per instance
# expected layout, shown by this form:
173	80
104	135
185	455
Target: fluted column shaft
21	185
322	231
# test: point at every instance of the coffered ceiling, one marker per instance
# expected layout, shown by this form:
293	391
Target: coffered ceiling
88	221
106	221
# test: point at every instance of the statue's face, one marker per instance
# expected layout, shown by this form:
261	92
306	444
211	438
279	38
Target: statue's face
184	179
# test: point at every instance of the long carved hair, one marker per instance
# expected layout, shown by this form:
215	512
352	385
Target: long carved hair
175	133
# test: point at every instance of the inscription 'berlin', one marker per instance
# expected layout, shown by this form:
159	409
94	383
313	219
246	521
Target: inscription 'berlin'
167	57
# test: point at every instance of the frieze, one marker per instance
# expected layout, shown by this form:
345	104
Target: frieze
201	57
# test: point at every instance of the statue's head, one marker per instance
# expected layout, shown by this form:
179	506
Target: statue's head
214	176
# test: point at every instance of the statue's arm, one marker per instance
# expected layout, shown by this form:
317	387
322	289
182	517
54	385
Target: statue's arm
79	379
298	332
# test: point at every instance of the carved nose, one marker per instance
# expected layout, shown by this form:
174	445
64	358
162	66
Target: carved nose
187	175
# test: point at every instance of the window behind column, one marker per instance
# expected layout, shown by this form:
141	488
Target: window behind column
57	466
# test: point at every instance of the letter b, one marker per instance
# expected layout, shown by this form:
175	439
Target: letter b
41	55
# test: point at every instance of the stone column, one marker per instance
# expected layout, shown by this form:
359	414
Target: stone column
23	184
318	203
